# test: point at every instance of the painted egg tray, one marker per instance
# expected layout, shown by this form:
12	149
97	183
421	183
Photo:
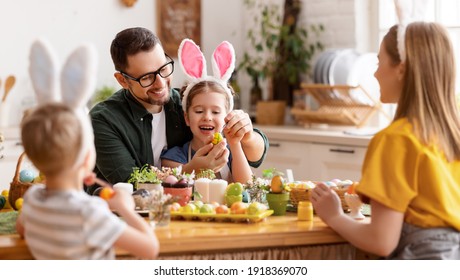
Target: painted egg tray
236	218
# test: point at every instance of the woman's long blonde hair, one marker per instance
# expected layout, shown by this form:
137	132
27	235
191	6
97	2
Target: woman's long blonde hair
428	96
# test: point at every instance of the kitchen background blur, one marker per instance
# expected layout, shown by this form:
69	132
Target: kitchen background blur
355	24
348	24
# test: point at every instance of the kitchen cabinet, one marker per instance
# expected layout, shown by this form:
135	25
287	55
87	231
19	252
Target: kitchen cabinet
336	161
284	155
318	155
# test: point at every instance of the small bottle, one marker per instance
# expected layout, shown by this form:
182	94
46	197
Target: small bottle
305	211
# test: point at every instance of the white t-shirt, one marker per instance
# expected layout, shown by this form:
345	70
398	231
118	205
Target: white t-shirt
159	142
69	224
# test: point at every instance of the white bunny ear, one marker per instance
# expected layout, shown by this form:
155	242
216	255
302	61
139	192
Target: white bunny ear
223	61
419	9
78	77
407	12
43	70
191	60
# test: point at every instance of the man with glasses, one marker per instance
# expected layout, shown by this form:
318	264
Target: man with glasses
145	117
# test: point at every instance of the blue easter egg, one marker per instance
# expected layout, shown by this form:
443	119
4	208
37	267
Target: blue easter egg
26	176
245	196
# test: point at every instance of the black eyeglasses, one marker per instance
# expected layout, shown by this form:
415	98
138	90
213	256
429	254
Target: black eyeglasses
148	79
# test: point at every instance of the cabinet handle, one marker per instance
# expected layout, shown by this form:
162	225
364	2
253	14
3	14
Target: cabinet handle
274	144
342	151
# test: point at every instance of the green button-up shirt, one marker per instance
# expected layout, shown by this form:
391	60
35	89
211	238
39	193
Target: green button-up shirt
123	133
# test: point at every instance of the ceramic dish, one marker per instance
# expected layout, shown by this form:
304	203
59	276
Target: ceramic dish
318	69
327	66
237	218
362	74
341	65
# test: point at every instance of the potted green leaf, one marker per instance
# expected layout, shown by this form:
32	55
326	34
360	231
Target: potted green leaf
278	46
145	178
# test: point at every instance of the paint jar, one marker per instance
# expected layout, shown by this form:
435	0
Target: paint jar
305	211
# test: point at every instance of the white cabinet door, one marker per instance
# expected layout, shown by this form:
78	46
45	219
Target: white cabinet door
336	161
284	155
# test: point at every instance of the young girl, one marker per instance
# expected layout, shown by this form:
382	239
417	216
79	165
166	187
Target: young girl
58	219
206	101
411	172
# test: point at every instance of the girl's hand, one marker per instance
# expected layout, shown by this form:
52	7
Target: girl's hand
238	125
232	139
326	202
211	156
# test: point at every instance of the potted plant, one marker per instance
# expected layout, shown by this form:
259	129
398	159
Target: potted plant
145	178
278	195
278	46
102	94
179	185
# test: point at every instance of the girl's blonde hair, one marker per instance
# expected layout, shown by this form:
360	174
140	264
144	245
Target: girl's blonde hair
428	96
206	86
51	136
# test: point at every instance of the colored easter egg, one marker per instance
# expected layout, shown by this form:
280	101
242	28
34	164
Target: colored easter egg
26	176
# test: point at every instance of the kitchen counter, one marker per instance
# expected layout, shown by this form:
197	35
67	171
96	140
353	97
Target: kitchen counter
276	237
338	135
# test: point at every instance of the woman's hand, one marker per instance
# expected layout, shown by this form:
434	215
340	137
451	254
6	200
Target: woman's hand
326	202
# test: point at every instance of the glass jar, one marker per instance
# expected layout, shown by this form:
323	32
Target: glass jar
159	215
305	211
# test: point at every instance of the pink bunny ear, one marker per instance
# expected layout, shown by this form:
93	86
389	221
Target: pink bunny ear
192	60
223	61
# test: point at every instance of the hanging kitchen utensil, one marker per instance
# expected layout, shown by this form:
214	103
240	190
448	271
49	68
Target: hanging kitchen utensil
9	83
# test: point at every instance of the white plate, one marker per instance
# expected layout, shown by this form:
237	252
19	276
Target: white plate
318	71
341	66
327	66
362	74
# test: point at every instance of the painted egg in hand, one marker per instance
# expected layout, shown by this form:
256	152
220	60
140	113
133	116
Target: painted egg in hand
26	176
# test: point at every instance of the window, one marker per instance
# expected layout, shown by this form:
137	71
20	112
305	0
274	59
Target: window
446	12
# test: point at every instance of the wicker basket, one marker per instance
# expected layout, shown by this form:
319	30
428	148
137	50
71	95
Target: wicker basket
17	188
300	194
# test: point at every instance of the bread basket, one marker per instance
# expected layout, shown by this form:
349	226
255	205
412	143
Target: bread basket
17	188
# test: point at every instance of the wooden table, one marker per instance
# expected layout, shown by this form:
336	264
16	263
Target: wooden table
276	237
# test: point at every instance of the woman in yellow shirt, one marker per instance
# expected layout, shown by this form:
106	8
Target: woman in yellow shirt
411	172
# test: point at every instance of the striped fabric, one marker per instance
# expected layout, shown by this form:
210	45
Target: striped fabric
69	224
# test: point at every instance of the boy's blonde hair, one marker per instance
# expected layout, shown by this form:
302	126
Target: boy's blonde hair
51	135
428	96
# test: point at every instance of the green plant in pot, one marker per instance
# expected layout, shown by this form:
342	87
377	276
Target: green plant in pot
280	52
278	196
145	178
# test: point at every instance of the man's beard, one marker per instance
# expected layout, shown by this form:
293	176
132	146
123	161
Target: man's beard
150	100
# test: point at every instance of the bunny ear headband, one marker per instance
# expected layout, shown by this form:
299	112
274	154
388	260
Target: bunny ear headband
193	64
407	12
77	83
